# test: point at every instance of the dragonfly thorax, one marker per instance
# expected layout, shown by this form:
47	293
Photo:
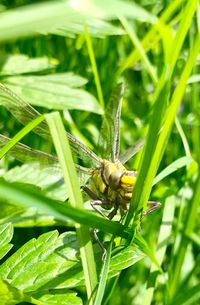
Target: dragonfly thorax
116	176
113	183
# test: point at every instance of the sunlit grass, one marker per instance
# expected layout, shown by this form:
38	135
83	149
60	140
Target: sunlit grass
153	49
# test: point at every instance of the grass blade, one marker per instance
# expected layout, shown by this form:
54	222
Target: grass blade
103	276
22	133
94	65
29	198
174	166
71	181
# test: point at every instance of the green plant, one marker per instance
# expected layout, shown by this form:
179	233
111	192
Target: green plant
58	56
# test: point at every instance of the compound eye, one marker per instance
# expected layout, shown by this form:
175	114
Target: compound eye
114	180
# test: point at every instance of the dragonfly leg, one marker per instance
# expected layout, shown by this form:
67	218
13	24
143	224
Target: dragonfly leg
91	194
154	205
112	213
104	251
95	204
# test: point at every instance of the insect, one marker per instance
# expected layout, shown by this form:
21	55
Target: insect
109	184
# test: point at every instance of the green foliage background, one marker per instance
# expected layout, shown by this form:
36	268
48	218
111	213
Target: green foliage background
58	58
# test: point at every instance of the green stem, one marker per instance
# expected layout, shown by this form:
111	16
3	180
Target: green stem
94	66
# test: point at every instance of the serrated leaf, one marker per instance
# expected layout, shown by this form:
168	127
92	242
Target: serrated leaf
41	261
49	92
124	259
19	64
9	295
51	262
56	297
6	234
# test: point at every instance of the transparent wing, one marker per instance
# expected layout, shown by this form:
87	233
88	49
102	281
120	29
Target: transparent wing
130	152
25	113
25	153
109	138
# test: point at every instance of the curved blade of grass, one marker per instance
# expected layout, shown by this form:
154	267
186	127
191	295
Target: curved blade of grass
29	198
103	276
183	137
71	180
23	132
174	166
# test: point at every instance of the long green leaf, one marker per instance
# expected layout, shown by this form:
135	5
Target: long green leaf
30	198
56	17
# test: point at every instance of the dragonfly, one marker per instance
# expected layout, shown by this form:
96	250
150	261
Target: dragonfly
109	183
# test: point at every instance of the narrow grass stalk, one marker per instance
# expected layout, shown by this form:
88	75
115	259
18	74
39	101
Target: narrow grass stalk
103	276
163	239
133	37
194	105
66	161
94	66
183	137
22	133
